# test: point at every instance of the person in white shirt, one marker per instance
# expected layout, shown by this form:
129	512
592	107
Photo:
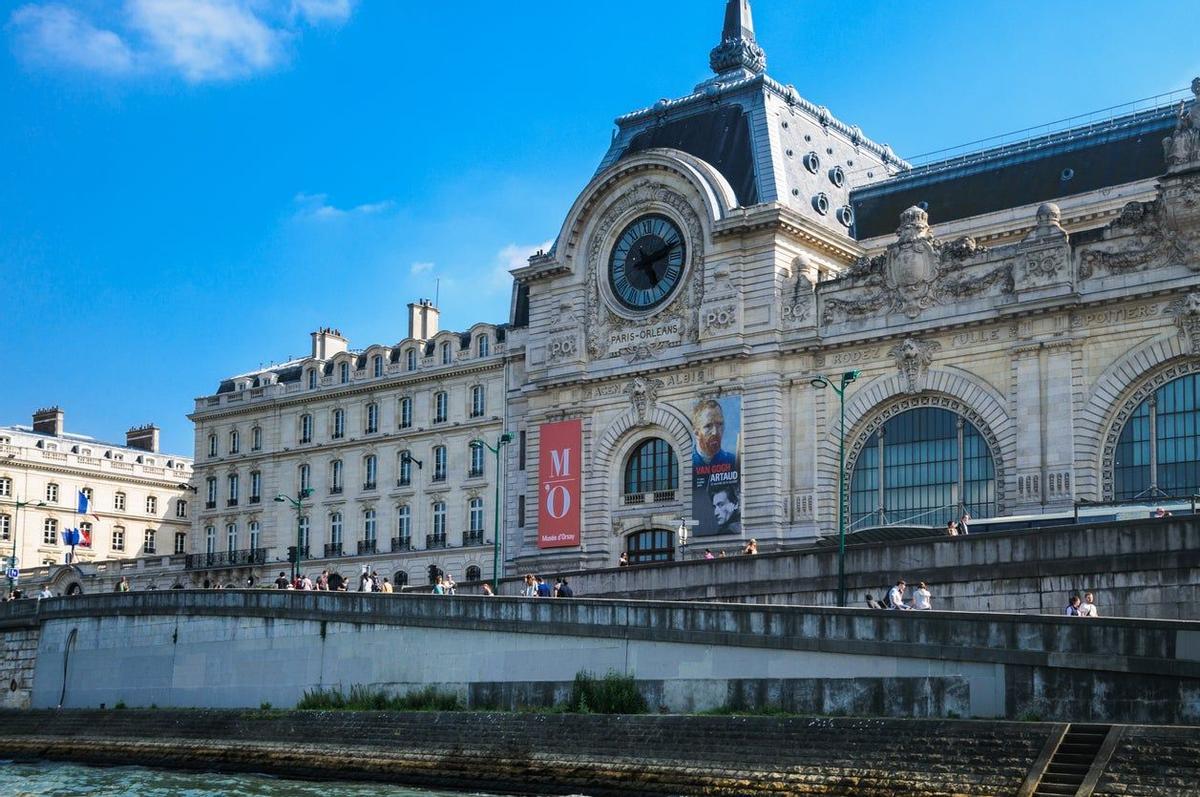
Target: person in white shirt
921	597
896	596
45	593
1088	607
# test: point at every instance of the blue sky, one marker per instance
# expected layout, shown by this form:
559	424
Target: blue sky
189	187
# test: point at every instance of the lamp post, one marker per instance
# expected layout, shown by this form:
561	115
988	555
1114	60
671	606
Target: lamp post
16	533
504	439
297	503
823	382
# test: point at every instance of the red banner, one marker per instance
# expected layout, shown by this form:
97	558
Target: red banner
560	483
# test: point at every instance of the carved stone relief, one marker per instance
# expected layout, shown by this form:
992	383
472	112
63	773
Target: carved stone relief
637	339
1181	149
1045	252
798	300
643	393
563	344
915	273
721	311
912	358
1187	318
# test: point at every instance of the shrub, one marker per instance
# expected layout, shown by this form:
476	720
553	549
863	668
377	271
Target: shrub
362	698
613	694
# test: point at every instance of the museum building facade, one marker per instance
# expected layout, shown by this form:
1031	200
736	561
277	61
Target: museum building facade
1022	324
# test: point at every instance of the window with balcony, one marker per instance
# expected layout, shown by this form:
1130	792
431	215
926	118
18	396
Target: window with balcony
151	505
403	539
180	542
235	442
210	493
441	406
212	445
255	486
306	428
403	469
148	541
256	439
181	508
370	470
369	540
255	535
334	546
234	485
437	539
406	413
377	366
476	468
651	468
475	514
439	463
210	540
305	478
52	493
231	535
335	477
118	538
119	498
339	424
483	345
302	534
372	425
477	402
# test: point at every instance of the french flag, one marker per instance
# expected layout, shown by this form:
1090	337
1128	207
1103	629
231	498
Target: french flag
85	506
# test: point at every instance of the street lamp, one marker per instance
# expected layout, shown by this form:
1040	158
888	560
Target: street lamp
504	439
13	561
822	382
298	505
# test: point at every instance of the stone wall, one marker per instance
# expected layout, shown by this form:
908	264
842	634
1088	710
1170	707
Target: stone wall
554	753
19	635
240	648
1144	568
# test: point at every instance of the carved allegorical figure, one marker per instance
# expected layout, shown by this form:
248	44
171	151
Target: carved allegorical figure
642	394
912	358
1187	318
1181	149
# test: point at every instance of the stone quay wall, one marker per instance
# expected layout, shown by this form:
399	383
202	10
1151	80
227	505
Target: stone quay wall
555	753
1142	568
232	648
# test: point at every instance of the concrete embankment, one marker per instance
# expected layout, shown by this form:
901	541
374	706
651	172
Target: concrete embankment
608	755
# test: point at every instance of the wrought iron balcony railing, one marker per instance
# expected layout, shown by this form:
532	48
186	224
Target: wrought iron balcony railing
435	541
367	546
472	537
402	543
216	559
333	549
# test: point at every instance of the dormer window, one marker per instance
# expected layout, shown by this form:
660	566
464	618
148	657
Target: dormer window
410	360
446	354
312	378
344	373
377	366
484	346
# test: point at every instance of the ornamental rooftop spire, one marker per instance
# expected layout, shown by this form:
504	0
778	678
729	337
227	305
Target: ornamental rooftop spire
738	54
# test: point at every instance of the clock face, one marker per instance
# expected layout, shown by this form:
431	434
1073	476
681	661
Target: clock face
647	262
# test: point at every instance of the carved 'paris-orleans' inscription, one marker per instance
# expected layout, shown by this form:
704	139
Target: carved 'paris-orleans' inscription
670	331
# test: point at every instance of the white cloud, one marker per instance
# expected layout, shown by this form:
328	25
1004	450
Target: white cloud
317	206
198	40
420	268
510	257
57	34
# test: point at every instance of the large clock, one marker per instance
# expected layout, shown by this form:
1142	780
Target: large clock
646	262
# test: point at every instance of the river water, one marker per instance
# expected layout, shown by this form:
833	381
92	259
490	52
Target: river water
49	779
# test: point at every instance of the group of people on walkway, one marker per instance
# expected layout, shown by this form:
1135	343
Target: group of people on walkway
962	526
1082	607
538	587
921	598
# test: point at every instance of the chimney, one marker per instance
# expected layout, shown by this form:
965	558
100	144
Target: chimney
327	342
48	421
144	438
422	320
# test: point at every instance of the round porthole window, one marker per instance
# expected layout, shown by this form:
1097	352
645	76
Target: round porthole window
820	204
923	205
837	176
845	214
812	162
1067	174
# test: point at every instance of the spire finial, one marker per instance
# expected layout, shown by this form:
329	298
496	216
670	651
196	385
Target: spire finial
738	50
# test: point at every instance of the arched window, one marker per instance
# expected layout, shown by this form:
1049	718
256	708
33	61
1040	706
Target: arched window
344	373
923	466
473	573
372	425
1167	462
655	545
477	401
475	515
651	468
235	442
484	346
399	579
410	360
446	354
405	413
476	460
377	365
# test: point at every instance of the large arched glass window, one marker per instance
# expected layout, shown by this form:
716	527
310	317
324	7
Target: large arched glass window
1166	462
923	467
651	468
655	545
